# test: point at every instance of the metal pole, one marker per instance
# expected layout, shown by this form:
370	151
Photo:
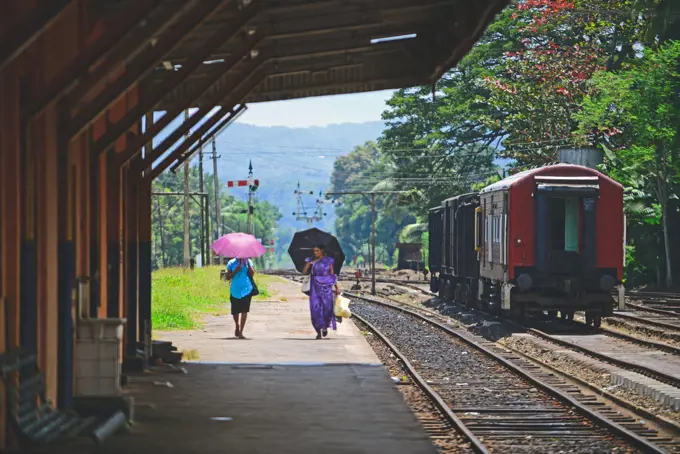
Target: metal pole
204	240
373	244
187	239
218	218
207	228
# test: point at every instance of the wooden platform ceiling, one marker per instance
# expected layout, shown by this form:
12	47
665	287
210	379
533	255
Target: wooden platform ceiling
267	50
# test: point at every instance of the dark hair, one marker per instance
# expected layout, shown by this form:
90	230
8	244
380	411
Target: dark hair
320	247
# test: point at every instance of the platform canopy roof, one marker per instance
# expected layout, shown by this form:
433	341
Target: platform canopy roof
303	48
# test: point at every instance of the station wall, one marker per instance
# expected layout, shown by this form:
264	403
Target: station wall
62	210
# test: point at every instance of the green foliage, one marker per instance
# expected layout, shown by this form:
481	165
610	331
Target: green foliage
549	74
364	170
181	297
634	114
168	217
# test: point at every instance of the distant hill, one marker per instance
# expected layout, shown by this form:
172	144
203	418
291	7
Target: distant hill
283	156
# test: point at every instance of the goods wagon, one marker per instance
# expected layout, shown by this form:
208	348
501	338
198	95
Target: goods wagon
549	240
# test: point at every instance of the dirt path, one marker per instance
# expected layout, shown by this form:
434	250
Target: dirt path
279	330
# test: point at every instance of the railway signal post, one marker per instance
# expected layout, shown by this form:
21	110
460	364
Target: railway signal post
252	184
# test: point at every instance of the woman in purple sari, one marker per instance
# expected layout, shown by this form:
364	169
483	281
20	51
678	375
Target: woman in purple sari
322	286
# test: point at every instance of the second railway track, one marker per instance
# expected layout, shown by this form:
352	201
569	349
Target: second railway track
504	400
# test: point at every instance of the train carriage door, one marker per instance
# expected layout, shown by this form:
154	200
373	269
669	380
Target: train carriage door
559	224
504	237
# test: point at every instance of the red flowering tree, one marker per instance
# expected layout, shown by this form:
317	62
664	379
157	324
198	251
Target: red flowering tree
544	80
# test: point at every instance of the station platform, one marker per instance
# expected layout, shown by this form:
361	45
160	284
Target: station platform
280	390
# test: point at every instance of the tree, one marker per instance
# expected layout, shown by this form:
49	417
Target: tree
362	170
442	138
167	218
543	81
635	114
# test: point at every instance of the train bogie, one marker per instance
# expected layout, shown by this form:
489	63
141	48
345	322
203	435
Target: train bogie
545	240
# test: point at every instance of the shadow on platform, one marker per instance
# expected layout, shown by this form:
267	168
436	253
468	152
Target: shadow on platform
270	408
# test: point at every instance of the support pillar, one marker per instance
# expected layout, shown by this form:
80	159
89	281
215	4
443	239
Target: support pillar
66	267
28	335
130	258
145	239
95	238
144	262
113	252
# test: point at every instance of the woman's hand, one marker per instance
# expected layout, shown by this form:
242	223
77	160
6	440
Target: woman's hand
337	290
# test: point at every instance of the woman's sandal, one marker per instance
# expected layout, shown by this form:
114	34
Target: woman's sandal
324	332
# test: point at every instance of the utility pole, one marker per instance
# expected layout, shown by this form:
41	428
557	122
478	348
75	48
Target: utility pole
218	219
249	225
370	197
373	242
204	249
187	239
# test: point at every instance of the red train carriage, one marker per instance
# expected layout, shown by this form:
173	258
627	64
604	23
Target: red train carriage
547	239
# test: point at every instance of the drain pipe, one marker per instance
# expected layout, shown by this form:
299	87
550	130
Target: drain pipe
108	428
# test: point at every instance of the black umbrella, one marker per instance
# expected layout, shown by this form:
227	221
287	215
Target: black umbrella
303	244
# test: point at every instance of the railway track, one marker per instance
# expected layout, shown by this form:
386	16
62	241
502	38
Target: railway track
619	351
645	342
643	314
656	302
644	356
504	400
294	275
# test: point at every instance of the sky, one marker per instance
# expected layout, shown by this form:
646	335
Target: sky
318	111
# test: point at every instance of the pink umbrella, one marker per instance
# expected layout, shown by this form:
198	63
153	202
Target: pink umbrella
238	246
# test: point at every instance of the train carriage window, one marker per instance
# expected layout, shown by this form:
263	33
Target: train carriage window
496	229
478	229
556	222
564	224
571	215
487	236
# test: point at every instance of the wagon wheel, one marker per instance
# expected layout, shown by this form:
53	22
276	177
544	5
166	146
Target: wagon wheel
597	321
589	318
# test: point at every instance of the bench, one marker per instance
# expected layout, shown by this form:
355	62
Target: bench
33	417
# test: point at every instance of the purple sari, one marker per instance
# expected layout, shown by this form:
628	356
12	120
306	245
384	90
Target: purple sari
321	300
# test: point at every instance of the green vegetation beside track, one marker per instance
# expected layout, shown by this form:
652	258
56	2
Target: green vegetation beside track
180	298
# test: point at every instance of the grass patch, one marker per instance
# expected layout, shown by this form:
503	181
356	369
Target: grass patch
181	297
190	355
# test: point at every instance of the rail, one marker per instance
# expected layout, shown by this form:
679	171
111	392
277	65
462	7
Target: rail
593	416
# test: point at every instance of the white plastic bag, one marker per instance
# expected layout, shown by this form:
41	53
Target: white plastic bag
341	308
306	285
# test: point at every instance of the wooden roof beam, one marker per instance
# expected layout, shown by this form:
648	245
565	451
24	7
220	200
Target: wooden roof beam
141	65
93	55
235	96
300	61
285	9
253	65
333	22
24	33
473	34
385	83
244	51
149	100
224	122
125	51
305	49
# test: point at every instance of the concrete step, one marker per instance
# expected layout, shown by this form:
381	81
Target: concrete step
664	394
